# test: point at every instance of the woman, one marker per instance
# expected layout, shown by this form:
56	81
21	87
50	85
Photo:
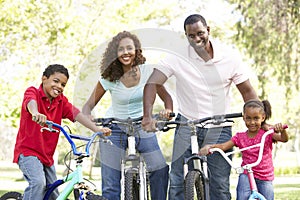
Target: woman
124	75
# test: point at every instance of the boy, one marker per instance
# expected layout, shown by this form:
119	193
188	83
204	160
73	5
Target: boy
34	149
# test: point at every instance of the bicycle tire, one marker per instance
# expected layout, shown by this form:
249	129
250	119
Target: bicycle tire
11	195
131	185
194	186
95	197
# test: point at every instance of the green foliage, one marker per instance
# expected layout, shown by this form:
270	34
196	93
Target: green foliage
269	30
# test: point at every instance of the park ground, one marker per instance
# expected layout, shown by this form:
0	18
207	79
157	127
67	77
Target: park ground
287	187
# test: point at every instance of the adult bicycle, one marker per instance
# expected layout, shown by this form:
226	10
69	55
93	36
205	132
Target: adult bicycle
135	184
248	167
196	178
74	180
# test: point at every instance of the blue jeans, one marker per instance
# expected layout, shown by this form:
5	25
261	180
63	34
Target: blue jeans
218	167
243	188
147	145
38	176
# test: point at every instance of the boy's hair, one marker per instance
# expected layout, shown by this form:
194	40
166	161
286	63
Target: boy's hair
264	105
51	69
194	19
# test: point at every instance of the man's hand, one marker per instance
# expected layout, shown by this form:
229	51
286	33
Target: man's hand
148	124
165	114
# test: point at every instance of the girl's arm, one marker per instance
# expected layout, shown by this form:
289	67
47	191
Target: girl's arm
280	133
224	146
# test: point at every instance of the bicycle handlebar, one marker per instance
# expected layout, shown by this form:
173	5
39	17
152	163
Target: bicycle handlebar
250	165
69	137
215	120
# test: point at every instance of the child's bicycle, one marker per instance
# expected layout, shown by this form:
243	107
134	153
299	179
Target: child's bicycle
135	183
74	180
248	167
196	179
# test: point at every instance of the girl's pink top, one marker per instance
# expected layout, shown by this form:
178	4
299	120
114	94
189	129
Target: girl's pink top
265	169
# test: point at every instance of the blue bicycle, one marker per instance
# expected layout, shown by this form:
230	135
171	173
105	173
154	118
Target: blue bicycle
74	180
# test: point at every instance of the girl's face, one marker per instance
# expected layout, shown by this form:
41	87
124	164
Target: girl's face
126	51
253	117
54	85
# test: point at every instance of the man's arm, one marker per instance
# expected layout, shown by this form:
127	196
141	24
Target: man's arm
247	91
156	79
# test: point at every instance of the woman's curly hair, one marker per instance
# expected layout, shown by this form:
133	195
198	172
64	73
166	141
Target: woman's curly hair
111	68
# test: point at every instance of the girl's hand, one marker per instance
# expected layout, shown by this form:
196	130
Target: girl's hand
278	128
205	150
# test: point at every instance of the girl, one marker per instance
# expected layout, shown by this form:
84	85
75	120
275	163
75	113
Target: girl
255	115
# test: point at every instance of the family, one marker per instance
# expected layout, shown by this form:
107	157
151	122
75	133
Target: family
203	84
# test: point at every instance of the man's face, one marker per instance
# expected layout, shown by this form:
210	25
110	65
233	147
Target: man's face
197	34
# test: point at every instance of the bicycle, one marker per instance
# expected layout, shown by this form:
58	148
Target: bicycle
196	179
135	184
248	167
74	180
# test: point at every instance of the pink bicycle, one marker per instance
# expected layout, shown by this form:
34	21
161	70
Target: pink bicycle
248	167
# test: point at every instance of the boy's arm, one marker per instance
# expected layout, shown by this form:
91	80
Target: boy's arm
85	121
39	118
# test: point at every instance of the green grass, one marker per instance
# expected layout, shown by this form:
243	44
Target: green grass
288	189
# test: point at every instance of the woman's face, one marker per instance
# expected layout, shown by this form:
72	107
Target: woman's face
126	51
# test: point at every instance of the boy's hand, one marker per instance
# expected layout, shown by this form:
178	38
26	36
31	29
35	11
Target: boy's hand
106	131
39	118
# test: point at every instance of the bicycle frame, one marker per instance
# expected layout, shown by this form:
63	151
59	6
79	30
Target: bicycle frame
137	163
74	179
199	162
248	167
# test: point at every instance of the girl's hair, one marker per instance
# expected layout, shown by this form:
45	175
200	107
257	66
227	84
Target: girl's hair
264	105
51	69
111	68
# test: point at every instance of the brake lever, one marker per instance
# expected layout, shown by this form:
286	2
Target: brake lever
49	129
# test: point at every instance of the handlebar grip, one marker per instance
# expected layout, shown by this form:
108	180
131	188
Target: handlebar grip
172	114
285	126
234	115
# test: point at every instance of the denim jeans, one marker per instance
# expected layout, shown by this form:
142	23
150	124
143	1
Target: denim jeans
243	188
218	167
38	176
147	146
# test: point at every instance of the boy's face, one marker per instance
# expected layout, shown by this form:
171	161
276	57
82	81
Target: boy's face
54	85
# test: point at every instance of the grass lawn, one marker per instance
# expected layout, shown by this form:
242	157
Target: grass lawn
286	187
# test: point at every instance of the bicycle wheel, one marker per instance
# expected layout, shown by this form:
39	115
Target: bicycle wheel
193	186
131	185
95	197
11	195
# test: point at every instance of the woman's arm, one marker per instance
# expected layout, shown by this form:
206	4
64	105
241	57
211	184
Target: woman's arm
94	98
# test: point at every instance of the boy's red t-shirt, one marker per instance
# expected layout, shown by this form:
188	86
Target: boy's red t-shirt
30	140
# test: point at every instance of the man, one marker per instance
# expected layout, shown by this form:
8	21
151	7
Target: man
203	79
